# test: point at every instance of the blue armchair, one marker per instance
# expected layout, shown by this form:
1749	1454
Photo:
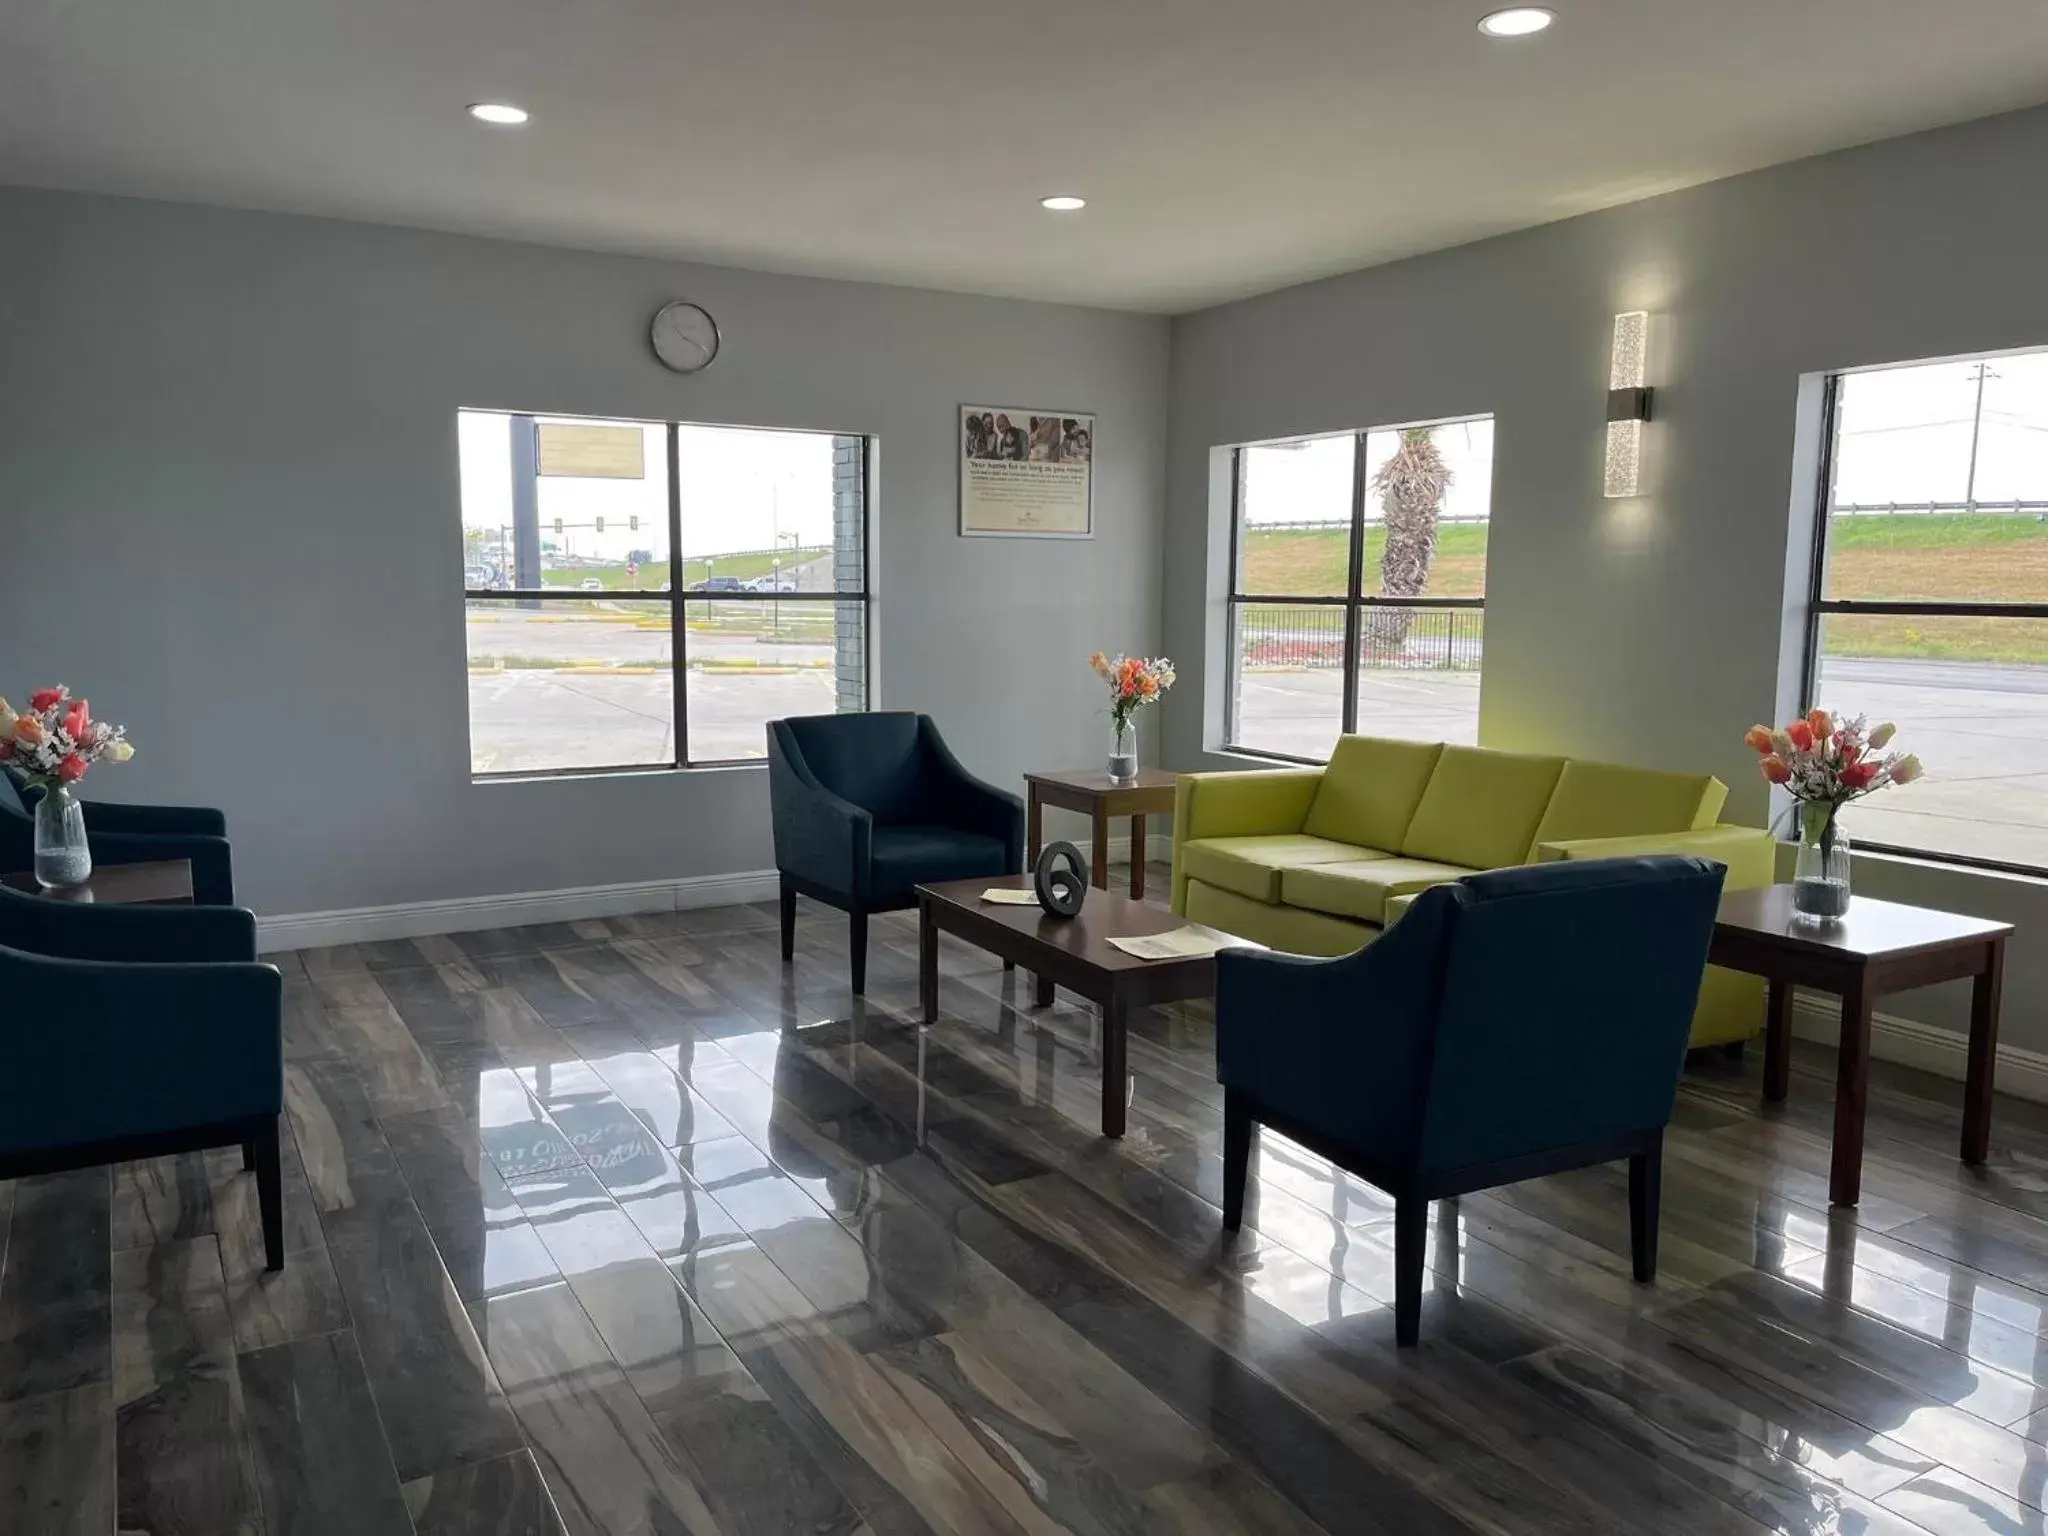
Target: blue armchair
868	807
1517	1023
138	1032
129	834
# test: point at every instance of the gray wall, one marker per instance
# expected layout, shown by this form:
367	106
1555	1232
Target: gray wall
1645	631
228	509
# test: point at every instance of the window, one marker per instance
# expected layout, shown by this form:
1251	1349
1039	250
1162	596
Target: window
1930	598
1358	587
650	594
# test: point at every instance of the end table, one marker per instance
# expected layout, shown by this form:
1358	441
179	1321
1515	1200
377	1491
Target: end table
162	883
1100	798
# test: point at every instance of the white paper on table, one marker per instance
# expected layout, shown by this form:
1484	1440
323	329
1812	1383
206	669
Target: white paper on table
1189	943
1010	896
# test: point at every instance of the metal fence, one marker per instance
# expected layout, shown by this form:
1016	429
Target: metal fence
1278	637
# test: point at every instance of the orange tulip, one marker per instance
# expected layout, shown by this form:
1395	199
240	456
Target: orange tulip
1801	732
1758	739
1823	725
28	730
1776	769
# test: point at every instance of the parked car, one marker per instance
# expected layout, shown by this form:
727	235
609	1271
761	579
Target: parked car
719	584
592	584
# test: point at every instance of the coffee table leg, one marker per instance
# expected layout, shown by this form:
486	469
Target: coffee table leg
1115	1076
1101	851
1778	1043
1034	826
1852	1087
1137	858
927	962
1042	991
1984	997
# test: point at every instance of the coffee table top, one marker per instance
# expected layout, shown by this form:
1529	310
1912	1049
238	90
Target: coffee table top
1871	930
1104	915
1097	780
163	882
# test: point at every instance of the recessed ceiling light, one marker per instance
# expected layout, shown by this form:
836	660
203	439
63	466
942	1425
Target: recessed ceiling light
1063	204
1518	21
500	114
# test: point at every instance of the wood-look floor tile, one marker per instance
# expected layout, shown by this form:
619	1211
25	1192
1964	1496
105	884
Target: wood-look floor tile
165	1199
57	1463
180	1425
322	1464
505	1496
55	1289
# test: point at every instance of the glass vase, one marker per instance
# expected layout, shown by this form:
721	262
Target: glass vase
1820	877
1123	748
63	857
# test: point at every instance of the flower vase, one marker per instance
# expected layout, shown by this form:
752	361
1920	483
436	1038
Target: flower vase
63	858
1123	749
1820	877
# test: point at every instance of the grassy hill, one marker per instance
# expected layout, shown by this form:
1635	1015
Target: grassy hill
743	567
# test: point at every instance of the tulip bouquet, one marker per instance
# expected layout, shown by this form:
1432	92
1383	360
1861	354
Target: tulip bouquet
1824	763
57	740
1134	681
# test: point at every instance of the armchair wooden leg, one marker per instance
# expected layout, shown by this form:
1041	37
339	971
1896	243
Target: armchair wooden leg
1237	1156
1645	1189
270	1192
788	921
857	942
1411	1238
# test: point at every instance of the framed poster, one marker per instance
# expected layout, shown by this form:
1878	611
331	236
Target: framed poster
1026	473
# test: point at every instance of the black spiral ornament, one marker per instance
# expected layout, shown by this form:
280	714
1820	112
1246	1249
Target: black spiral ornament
1061	880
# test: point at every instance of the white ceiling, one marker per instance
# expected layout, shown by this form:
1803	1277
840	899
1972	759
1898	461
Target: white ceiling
1225	146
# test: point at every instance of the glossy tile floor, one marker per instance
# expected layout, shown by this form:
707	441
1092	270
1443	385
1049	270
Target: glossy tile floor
620	1227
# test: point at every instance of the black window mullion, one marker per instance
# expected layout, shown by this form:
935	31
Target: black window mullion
678	658
1824	495
1354	585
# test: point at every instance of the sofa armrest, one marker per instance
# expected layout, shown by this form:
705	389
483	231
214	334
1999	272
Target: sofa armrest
1749	852
1263	801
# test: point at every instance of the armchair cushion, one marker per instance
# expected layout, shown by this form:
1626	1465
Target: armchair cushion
1481	807
906	857
1363	889
1370	790
1251	866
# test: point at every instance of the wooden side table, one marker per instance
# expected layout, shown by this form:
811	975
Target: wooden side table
164	883
1879	948
1102	799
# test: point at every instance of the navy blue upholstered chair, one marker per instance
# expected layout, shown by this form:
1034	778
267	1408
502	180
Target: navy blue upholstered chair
1517	1023
133	1032
129	834
868	807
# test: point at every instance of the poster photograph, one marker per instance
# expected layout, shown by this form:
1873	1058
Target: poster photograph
1027	473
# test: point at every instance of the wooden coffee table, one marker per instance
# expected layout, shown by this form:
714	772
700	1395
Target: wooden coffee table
1880	947
1067	952
1101	799
163	883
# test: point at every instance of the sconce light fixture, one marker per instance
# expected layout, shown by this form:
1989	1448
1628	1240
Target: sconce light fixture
1628	403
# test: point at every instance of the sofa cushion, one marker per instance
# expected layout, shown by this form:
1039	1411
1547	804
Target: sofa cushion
1362	889
1296	930
1607	800
1481	807
1370	790
1251	866
905	857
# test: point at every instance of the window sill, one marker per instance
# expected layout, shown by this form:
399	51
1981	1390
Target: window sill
1930	862
1253	759
600	775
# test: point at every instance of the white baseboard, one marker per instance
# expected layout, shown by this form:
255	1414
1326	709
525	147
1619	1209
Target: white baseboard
465	914
1910	1043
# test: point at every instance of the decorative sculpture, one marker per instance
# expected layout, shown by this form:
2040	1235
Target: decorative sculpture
1061	880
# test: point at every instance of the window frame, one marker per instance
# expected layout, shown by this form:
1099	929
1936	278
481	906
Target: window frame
1819	606
678	600
1354	601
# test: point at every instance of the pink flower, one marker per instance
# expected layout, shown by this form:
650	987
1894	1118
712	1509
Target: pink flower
1776	769
78	720
72	769
1802	735
45	698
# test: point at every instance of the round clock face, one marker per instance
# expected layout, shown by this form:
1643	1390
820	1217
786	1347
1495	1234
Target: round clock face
685	336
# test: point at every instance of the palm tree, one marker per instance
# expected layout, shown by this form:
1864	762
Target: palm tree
1411	487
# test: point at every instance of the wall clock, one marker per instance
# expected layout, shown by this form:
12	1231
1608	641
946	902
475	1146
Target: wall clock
685	336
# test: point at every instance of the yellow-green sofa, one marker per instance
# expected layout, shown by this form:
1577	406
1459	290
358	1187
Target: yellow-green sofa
1318	861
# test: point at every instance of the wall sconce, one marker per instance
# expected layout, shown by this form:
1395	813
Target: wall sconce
1628	403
